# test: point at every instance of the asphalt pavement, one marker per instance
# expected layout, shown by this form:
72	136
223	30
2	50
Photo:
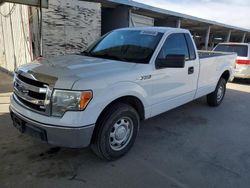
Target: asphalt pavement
194	146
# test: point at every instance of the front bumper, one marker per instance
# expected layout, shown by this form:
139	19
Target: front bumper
72	137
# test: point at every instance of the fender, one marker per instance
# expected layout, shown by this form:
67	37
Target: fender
110	94
102	98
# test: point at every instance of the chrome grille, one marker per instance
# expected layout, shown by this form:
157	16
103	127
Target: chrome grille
32	94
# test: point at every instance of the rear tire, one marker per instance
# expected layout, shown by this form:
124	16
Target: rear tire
215	98
116	132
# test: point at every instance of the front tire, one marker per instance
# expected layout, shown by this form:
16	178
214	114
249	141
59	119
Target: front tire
116	132
215	98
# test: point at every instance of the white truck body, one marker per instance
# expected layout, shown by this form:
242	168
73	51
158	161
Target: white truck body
158	90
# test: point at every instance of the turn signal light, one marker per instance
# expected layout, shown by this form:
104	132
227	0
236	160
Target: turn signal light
86	97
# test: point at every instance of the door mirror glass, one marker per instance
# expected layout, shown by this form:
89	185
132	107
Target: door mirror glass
171	61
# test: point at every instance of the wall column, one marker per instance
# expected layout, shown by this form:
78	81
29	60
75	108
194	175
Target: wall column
243	38
229	35
207	37
178	23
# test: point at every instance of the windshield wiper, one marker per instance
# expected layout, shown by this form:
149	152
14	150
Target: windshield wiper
86	53
107	56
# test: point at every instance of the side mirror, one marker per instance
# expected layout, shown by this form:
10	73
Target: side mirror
171	61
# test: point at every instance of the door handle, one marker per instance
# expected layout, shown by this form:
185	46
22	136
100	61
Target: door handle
190	70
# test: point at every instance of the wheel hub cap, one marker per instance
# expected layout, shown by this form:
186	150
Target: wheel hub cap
220	93
121	133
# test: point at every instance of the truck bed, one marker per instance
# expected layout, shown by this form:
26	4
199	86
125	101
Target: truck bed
211	65
208	54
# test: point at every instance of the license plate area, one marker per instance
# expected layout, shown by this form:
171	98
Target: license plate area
18	123
28	128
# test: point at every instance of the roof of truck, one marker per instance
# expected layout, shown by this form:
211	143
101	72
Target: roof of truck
157	29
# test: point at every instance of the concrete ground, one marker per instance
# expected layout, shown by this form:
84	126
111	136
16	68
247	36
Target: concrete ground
192	146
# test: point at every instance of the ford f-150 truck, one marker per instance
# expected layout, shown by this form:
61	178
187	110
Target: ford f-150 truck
98	98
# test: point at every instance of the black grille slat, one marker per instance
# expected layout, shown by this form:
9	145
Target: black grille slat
40	96
31	82
30	105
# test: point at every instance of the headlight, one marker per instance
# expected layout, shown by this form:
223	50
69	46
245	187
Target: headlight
63	101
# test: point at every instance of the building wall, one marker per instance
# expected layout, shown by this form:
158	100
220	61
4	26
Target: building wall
70	26
15	48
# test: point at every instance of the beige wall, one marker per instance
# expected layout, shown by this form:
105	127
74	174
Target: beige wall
14	36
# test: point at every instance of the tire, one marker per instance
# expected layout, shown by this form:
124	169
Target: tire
215	98
116	132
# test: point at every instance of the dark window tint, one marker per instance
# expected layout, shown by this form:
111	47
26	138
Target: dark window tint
241	50
175	44
190	47
127	45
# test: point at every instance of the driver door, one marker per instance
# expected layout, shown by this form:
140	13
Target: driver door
173	86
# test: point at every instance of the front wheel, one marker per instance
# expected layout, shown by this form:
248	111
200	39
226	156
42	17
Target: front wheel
116	132
216	98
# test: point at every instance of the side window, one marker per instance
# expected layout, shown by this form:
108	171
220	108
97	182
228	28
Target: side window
175	44
190	47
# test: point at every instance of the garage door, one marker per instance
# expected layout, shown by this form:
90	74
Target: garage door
137	20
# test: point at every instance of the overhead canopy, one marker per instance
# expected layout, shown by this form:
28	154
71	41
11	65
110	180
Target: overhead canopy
187	21
28	2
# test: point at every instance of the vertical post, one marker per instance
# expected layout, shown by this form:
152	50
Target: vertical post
41	30
212	41
4	47
243	38
207	37
178	23
131	19
229	35
13	43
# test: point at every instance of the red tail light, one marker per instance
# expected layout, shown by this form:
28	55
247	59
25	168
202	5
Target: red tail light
243	62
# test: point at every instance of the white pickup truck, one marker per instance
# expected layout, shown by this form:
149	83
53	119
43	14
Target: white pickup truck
99	97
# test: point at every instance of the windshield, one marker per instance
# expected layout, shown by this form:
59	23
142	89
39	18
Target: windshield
241	50
126	45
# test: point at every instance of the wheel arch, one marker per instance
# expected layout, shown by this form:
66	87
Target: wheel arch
131	100
226	75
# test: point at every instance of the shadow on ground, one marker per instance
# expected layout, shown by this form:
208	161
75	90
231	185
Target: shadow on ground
241	81
5	80
22	155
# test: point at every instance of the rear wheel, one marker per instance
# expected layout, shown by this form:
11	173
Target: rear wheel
116	132
216	98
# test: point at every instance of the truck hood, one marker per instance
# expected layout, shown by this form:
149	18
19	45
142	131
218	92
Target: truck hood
63	71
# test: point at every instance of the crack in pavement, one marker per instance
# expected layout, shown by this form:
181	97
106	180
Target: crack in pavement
74	178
